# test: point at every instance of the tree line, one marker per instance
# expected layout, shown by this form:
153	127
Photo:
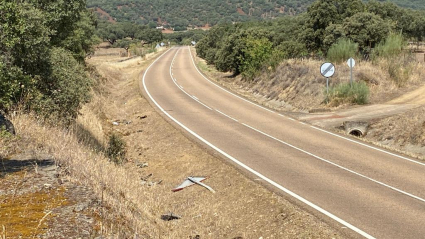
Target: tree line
190	13
246	48
184	13
43	44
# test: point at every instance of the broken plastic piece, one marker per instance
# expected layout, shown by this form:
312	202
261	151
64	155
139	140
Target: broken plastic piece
191	181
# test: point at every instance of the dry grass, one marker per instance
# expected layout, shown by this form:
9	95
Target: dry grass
240	208
297	85
404	132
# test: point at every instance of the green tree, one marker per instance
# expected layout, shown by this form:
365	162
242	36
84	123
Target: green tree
65	89
24	36
150	35
256	53
14	84
82	38
209	45
40	42
333	33
62	17
366	29
322	13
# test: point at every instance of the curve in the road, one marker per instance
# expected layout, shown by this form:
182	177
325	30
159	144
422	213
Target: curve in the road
348	225
278	139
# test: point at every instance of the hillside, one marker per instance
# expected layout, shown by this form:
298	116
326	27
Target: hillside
183	13
197	13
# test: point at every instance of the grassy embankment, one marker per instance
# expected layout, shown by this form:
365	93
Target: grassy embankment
136	197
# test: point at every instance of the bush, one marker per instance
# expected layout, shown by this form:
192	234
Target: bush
391	47
399	71
287	50
342	50
14	85
116	151
65	89
255	55
345	93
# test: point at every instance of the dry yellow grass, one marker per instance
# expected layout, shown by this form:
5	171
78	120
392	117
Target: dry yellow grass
297	85
240	208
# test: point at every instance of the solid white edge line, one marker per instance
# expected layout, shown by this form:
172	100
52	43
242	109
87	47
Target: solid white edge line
368	146
339	166
314	206
237	96
381	150
226	115
181	87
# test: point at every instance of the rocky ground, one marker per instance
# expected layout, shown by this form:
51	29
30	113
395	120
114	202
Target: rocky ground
38	199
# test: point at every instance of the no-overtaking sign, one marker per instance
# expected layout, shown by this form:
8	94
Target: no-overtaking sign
327	69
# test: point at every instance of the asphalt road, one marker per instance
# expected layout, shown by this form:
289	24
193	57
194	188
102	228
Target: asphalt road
362	190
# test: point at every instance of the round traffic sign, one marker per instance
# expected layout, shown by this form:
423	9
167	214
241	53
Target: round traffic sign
351	62
327	69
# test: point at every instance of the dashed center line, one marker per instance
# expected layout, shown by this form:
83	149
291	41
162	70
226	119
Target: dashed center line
227	115
316	207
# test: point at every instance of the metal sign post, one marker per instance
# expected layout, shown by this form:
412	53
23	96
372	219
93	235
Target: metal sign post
351	63
327	85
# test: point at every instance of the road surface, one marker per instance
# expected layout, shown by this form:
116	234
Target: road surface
361	189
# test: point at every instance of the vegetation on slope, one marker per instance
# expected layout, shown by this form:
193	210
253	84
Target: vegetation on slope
43	46
181	14
184	13
230	47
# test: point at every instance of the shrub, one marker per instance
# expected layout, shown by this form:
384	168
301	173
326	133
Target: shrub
287	50
345	93
342	50
14	85
116	151
65	89
399	72
256	53
391	47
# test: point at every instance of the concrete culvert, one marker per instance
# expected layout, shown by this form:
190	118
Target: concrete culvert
356	132
356	128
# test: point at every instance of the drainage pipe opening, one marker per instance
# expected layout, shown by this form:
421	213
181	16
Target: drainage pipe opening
356	132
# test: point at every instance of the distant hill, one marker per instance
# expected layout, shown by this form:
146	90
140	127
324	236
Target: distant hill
197	13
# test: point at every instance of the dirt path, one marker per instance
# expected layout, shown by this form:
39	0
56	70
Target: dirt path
361	113
416	97
396	106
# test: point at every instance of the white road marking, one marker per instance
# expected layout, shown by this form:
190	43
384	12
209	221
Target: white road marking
371	147
337	165
226	115
381	150
181	87
237	96
280	187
